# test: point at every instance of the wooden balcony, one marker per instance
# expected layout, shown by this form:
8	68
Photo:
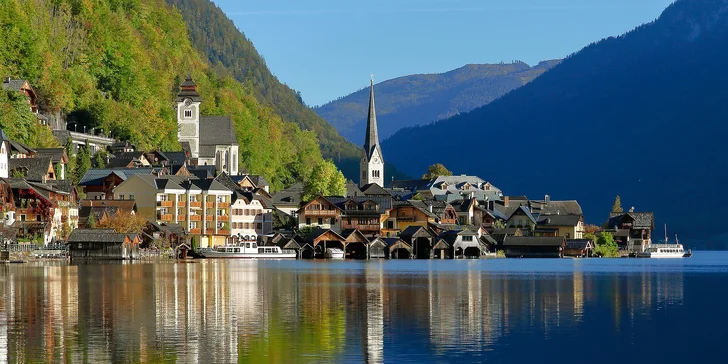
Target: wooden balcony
361	227
223	205
181	203
209	231
181	217
223	218
209	205
196	231
209	217
321	212
405	218
165	203
195	204
195	218
223	232
165	217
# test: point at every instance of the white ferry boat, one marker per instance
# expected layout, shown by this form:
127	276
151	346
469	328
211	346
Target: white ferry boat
334	253
248	251
666	250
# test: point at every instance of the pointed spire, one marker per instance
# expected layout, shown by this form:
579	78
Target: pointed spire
371	142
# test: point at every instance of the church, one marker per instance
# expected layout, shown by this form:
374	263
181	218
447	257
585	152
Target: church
208	140
372	161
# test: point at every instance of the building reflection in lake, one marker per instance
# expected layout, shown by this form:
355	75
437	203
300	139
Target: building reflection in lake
218	311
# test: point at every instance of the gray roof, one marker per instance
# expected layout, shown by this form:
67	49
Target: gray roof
55	154
559	220
96	236
383	204
188	90
642	220
568	207
215	130
259	180
373	189
291	196
533	241
14	85
526	211
352	189
371	141
36	168
578	243
176	158
122	160
95	177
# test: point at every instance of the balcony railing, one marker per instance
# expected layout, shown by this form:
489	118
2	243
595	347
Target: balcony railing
360	227
406	218
164	217
196	204
181	203
209	217
181	217
195	218
209	231
223	205
223	218
223	232
165	203
209	205
196	231
321	212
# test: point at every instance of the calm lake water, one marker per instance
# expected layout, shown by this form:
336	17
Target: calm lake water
504	310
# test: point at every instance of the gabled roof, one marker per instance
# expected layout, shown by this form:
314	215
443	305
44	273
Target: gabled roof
526	212
392	242
216	130
578	244
415	231
36	168
291	196
123	160
176	158
96	236
14	85
122	205
383	204
317	232
641	220
371	139
202	172
559	220
95	177
349	232
56	155
533	241
373	189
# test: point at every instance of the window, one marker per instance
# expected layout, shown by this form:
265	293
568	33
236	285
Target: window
131	197
121	197
188	113
568	235
258	226
375	173
390	224
22	217
333	221
37	218
467	238
308	221
320	221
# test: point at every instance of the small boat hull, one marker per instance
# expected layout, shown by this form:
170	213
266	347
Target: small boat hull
247	252
334	253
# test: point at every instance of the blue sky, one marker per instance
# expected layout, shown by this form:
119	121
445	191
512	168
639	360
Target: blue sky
328	48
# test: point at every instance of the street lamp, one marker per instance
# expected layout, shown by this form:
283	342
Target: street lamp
74	126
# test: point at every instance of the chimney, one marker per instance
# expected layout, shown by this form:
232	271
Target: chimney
547	199
506	201
429	208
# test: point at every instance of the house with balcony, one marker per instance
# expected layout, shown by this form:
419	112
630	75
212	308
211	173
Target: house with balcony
42	213
320	212
408	213
201	206
632	230
251	216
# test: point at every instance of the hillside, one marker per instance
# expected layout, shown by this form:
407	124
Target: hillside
116	65
420	99
642	115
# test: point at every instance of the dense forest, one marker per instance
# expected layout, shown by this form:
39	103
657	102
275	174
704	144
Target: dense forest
641	115
420	99
116	65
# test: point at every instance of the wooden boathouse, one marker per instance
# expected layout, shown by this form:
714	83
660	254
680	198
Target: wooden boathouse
102	244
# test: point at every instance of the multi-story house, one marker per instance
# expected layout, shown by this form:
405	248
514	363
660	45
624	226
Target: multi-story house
364	213
42	212
201	206
251	217
632	230
320	212
450	188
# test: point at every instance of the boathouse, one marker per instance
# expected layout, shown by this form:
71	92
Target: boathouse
534	247
420	240
377	249
356	244
398	248
578	248
102	244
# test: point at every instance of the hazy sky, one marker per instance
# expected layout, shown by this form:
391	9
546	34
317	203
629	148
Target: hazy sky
328	48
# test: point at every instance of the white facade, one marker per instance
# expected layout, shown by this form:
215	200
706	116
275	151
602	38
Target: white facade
250	220
4	156
372	170
188	124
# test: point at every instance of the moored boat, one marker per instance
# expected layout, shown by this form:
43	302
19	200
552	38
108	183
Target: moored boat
248	251
666	250
334	253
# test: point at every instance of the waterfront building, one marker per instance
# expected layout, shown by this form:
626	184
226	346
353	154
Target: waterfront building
210	140
43	212
372	161
201	206
534	247
102	244
250	217
632	230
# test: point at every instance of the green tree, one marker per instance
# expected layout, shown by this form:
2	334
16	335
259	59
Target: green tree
325	180
83	163
100	159
617	205
606	246
91	222
436	170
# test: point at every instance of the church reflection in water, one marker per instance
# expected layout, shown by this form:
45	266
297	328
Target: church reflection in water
219	311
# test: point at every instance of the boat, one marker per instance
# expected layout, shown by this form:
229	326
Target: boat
247	251
334	253
666	250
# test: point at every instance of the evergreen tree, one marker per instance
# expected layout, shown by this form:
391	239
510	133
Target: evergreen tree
83	163
617	206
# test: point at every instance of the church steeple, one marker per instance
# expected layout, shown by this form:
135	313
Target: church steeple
371	141
372	161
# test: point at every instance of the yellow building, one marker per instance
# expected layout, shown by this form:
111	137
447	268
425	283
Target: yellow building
201	207
567	226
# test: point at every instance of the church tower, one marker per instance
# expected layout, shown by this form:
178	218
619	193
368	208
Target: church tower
372	162
188	116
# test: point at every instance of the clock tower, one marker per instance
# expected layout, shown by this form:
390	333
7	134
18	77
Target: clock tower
188	116
372	161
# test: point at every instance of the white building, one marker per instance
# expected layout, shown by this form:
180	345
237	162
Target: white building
372	161
210	140
250	217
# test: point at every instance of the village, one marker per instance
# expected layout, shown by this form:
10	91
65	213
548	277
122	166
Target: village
200	198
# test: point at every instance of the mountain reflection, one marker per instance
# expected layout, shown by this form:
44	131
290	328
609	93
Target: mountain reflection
248	311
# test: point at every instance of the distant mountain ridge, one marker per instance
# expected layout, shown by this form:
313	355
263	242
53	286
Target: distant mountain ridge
643	115
423	98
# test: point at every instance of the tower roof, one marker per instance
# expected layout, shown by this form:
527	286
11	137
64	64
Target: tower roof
371	143
188	90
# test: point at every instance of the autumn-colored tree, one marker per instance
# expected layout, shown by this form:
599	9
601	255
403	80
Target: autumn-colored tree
591	229
123	222
617	206
436	170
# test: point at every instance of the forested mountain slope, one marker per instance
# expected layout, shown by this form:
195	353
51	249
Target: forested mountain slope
419	99
116	65
642	115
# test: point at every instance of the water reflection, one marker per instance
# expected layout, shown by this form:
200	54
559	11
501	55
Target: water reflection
218	311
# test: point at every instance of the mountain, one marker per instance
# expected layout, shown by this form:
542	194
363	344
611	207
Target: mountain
642	115
117	65
229	52
420	99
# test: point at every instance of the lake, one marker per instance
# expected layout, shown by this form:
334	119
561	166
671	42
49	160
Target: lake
494	310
